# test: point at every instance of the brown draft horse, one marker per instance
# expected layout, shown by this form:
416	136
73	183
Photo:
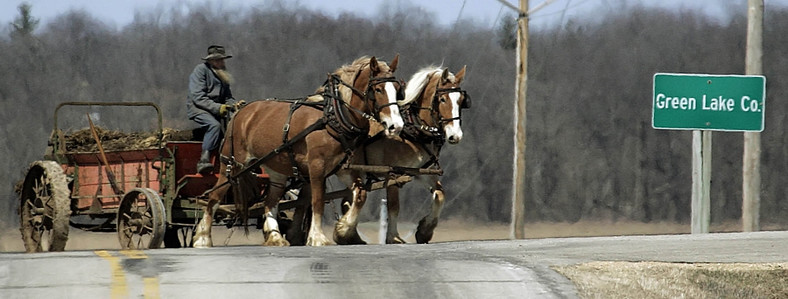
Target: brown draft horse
257	130
431	108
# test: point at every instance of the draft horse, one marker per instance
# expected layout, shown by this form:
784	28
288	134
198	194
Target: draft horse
431	110
301	140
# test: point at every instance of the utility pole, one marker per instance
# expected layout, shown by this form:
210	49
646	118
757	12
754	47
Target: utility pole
518	177
751	170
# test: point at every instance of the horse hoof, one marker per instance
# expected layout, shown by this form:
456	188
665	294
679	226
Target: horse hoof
354	239
276	240
317	241
202	242
347	235
395	240
425	230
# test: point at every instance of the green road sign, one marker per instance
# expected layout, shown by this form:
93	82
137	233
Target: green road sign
708	102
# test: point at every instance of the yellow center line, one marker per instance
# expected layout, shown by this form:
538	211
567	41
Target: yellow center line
151	287
134	254
118	287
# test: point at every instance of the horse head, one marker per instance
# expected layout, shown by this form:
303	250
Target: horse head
384	88
440	100
374	89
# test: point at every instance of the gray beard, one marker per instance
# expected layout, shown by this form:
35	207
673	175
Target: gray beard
224	75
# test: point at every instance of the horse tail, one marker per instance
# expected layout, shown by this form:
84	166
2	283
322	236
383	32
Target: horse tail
245	187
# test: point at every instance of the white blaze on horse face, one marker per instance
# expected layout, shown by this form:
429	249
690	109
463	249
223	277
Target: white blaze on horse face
453	129
393	121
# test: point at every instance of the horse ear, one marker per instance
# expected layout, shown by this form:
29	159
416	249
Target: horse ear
393	63
373	65
460	75
445	75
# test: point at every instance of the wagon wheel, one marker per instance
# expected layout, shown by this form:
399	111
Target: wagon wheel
45	207
141	219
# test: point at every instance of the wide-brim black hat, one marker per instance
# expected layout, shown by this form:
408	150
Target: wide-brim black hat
216	52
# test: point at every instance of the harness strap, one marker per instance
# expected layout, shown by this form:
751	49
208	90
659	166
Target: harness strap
285	131
363	95
318	124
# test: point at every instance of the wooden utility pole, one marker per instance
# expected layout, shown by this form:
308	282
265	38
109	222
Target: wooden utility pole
518	179
751	170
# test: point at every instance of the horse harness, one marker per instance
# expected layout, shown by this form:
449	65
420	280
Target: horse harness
423	134
335	114
430	138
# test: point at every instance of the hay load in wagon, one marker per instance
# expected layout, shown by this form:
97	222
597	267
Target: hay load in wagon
83	141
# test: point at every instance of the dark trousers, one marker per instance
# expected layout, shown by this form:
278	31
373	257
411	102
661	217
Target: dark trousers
213	130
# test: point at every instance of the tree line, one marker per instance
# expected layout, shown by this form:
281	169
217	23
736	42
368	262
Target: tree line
591	151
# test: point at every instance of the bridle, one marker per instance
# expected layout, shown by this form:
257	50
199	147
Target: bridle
437	118
466	103
369	95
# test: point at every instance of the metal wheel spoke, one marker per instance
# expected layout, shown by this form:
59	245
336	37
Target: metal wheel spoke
31	204
44	207
40	236
137	215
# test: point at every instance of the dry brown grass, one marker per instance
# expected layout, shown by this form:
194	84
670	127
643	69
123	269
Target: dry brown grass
677	280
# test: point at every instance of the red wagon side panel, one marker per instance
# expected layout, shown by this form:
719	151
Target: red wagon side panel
132	169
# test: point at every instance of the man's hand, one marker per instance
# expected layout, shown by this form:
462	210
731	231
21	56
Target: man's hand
240	104
224	109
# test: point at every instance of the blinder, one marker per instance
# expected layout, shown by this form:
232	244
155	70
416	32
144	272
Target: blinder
466	102
380	80
466	98
401	91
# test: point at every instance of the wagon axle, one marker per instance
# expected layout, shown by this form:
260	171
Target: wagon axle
138	225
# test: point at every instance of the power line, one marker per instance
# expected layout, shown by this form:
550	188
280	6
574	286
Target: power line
561	11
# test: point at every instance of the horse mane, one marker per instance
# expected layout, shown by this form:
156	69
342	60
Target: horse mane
348	74
418	82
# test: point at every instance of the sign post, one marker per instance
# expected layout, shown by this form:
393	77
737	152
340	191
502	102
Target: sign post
705	103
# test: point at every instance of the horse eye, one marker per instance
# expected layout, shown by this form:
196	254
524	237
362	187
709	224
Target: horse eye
443	100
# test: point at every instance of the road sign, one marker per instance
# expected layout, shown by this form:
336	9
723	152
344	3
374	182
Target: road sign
708	102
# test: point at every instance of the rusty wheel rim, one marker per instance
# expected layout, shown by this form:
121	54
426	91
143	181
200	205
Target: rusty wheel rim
136	219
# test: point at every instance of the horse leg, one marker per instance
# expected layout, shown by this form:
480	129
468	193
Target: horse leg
392	205
295	235
202	234
273	237
346	229
316	236
427	224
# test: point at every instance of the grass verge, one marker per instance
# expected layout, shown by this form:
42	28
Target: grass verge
678	280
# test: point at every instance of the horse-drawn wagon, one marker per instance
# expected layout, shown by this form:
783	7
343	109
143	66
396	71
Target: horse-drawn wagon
150	195
154	196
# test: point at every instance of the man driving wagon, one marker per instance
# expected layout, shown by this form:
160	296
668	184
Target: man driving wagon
209	100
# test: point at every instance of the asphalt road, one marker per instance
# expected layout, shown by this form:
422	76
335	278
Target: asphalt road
472	269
